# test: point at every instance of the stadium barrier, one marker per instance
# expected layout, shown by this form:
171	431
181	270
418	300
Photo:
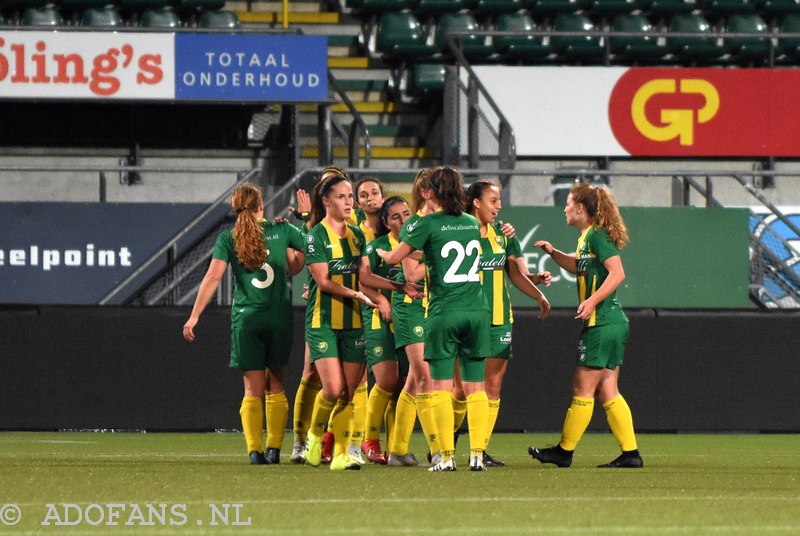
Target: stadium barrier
128	368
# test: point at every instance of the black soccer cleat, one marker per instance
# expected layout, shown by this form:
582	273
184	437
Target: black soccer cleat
273	456
488	461
555	455
627	460
257	458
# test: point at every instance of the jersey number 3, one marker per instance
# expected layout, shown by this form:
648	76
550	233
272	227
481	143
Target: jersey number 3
452	275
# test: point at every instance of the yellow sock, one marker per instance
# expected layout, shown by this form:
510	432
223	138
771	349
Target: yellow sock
578	416
252	413
337	407
322	412
477	417
494	409
303	407
620	420
427	420
404	419
359	414
343	424
277	406
389	417
459	412
442	409
376	411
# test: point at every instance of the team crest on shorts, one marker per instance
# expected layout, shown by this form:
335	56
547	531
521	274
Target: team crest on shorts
323	346
418	331
581	350
378	351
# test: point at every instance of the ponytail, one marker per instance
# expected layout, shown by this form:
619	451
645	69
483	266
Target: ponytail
248	236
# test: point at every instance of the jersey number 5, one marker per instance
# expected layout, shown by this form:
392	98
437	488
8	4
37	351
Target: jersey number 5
452	275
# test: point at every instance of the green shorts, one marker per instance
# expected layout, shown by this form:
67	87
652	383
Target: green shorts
464	335
345	344
603	346
409	323
380	345
257	341
500	341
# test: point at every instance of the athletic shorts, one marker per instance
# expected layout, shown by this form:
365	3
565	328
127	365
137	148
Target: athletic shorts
409	323
464	335
380	345
345	344
257	341
603	346
500	341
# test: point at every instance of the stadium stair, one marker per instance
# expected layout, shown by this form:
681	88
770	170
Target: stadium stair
396	126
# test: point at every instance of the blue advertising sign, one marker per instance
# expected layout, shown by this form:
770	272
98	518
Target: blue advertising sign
76	253
251	67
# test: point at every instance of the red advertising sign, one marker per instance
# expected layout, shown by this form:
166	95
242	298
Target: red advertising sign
707	112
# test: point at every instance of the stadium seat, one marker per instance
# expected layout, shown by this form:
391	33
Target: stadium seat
634	49
607	8
576	49
428	80
693	50
219	18
400	36
434	8
41	16
160	18
496	7
473	46
747	50
550	8
666	9
789	46
778	8
716	9
522	48
101	17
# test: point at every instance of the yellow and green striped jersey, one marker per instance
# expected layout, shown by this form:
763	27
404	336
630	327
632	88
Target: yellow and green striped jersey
369	234
342	255
495	250
594	247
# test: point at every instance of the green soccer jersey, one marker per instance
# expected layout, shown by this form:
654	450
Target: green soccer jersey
371	315
452	249
496	248
266	287
594	247
342	255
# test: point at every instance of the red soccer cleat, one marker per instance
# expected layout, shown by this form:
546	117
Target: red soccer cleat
327	447
372	450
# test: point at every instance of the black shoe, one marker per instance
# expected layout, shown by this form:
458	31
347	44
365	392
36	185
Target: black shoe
257	458
273	456
488	461
555	455
628	460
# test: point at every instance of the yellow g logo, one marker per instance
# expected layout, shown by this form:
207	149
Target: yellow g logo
677	123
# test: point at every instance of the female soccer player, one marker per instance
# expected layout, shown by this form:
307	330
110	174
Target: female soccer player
261	254
457	325
599	271
500	255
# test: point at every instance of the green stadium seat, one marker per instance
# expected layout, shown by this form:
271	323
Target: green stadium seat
550	8
45	16
400	36
496	7
428	80
219	18
474	47
747	50
778	8
612	7
665	9
434	8
576	49
101	17
159	18
789	47
717	9
521	48
634	49
693	50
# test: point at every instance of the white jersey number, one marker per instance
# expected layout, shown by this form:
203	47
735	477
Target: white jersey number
264	283
452	275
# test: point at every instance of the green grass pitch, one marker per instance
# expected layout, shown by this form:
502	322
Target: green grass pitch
127	483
